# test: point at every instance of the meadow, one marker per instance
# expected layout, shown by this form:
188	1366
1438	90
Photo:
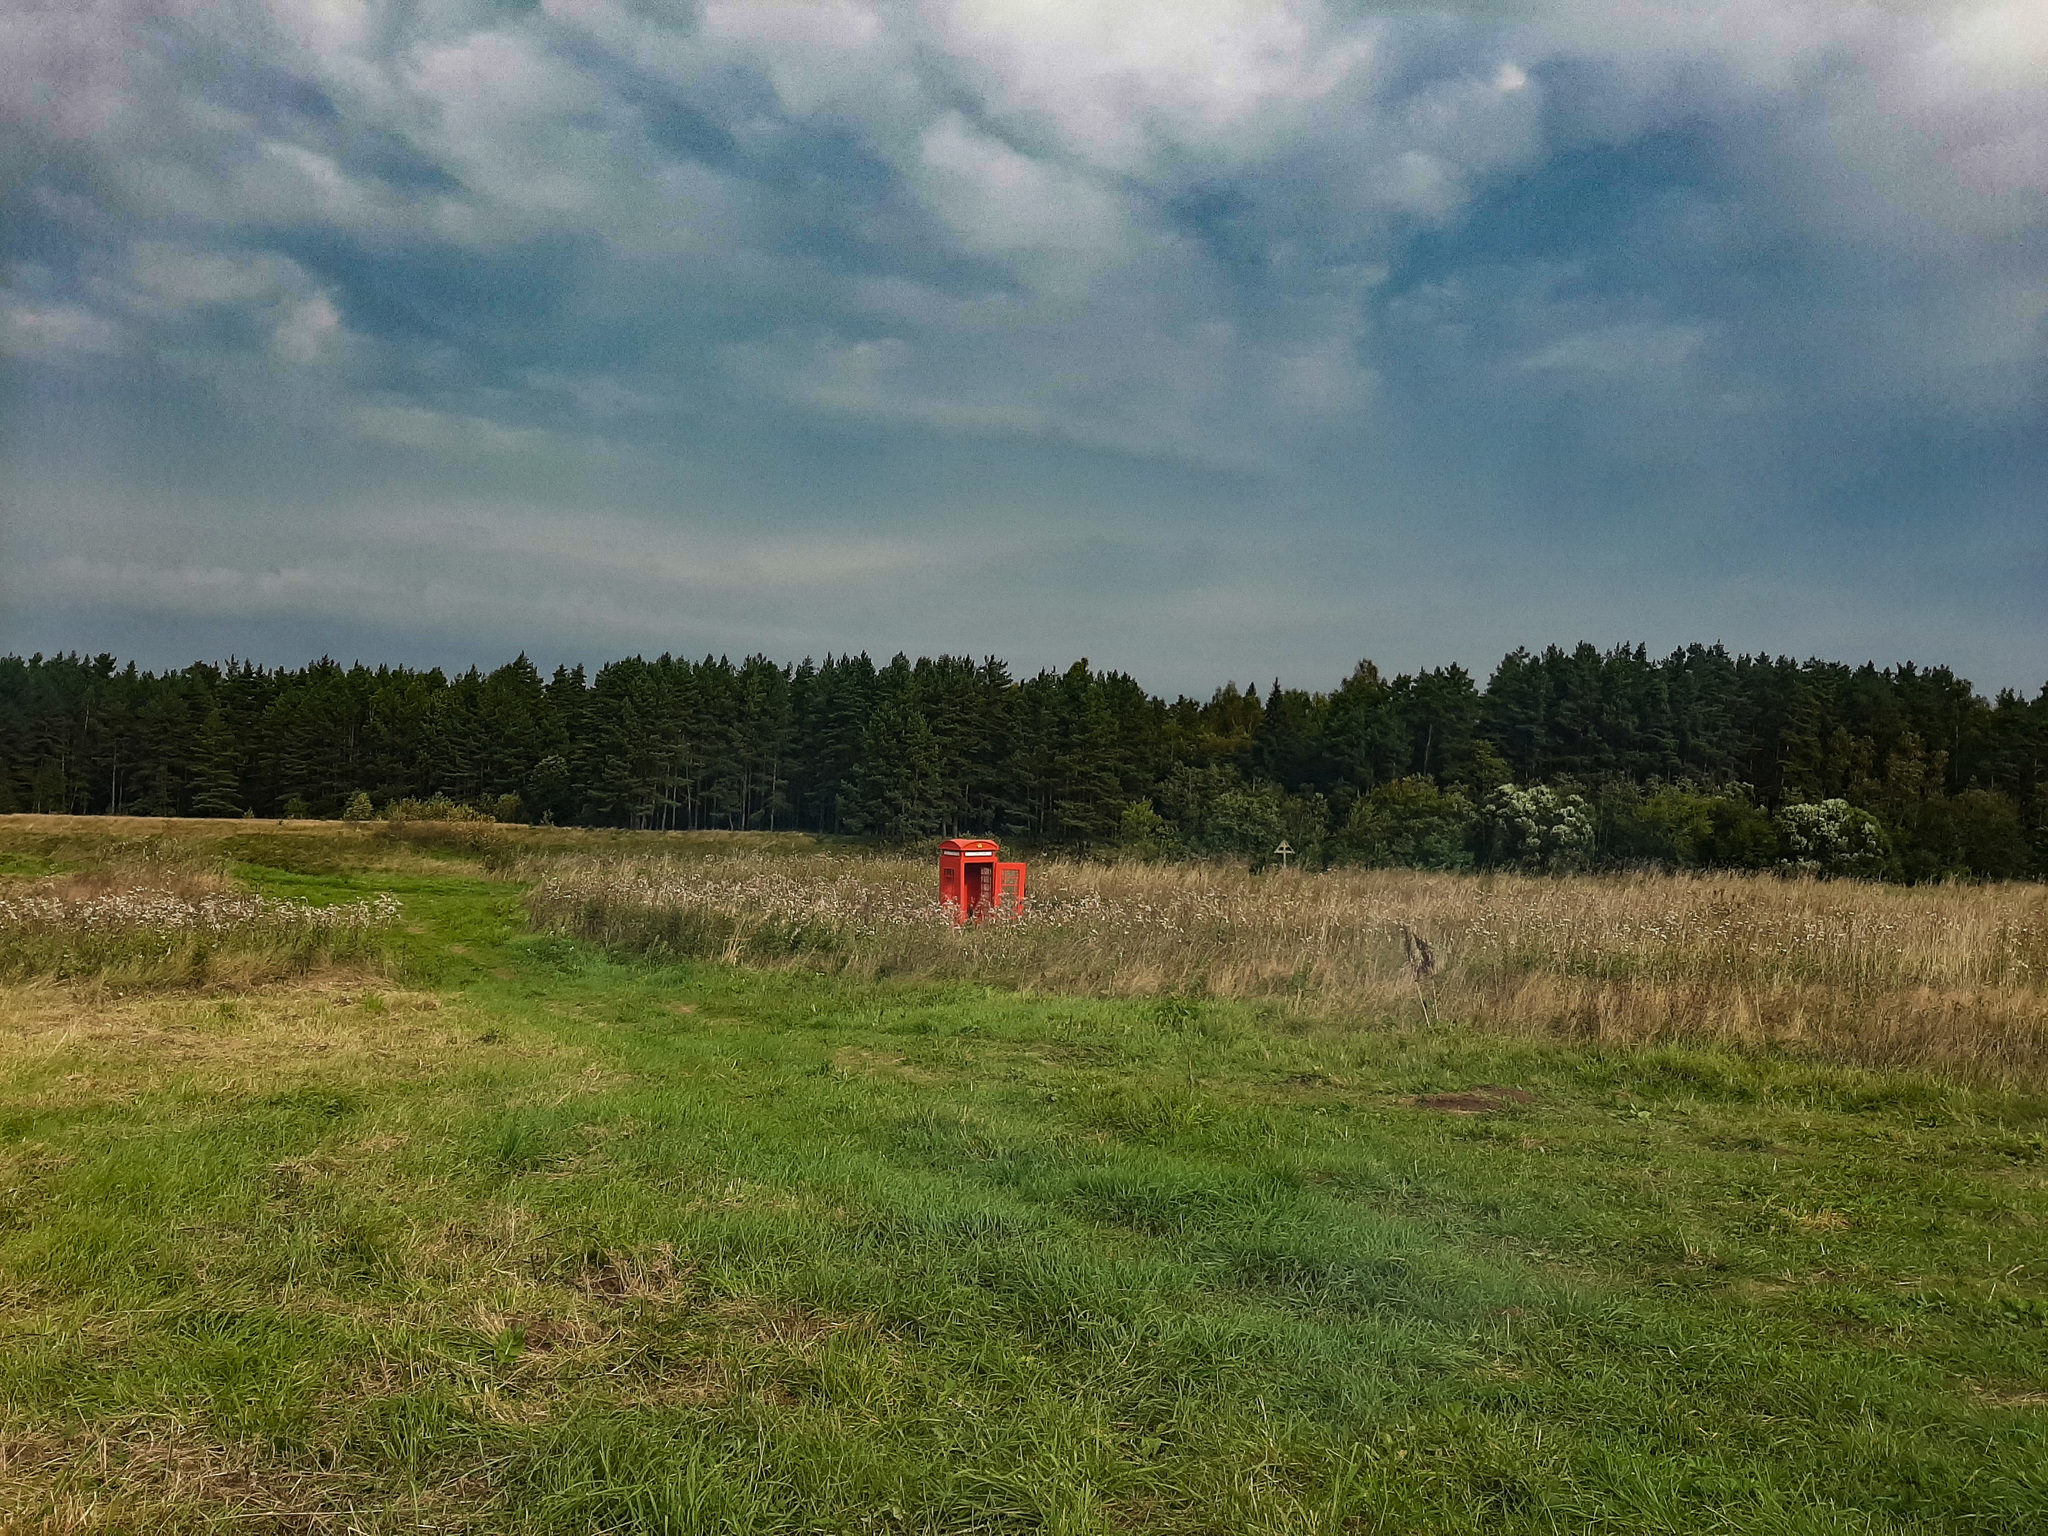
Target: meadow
366	1178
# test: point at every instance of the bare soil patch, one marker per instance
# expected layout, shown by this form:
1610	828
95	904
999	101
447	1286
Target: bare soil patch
1482	1100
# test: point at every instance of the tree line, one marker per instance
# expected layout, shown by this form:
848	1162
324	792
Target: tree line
1563	758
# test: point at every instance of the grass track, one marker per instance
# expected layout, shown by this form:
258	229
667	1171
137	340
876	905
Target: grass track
524	1239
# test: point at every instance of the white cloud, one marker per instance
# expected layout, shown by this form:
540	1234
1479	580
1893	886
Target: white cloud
1641	353
55	332
306	331
874	378
464	566
323	28
1200	393
601	395
188	588
821	55
67	66
1116	82
999	201
608	547
178	277
1325	380
167	285
416	426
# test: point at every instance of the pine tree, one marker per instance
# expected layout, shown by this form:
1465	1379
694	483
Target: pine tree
896	790
216	785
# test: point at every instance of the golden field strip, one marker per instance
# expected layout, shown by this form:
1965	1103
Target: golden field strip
1949	977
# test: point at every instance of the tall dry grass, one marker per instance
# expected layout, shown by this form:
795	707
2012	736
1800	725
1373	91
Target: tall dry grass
156	912
1944	977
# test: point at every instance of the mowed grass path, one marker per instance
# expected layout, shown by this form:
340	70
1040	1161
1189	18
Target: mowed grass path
527	1240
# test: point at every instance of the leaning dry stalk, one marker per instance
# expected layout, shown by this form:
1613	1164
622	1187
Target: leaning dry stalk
1421	966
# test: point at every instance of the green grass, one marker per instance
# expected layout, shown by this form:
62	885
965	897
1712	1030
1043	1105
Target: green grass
509	1240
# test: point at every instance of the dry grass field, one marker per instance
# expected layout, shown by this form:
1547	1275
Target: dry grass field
158	907
1949	977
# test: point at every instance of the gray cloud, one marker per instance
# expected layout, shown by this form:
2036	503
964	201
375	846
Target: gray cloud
1212	336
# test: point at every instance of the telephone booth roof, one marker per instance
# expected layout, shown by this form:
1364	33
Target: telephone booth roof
981	846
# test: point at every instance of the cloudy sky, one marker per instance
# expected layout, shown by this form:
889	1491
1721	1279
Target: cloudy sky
1204	339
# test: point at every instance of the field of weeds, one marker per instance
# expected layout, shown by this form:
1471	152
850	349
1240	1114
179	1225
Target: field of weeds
158	910
598	1183
1949	977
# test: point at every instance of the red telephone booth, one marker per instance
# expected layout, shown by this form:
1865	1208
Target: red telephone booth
974	883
